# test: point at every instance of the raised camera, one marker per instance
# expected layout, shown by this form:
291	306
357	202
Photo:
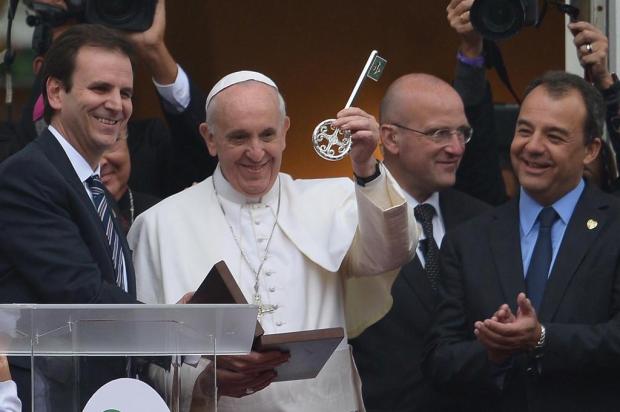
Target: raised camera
129	15
500	19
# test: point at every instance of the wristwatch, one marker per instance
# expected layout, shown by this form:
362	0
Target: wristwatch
540	345
363	181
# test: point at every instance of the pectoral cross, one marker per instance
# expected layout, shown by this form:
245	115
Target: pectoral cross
263	308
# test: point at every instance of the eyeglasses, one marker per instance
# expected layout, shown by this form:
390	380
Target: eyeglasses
464	133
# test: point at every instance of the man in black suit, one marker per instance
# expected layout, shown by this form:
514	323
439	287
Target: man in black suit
54	213
530	319
423	132
165	160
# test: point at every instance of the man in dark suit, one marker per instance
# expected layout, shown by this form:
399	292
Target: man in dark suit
59	242
423	132
165	160
530	319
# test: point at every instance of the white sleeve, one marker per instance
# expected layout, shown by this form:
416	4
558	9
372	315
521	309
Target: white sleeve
9	402
176	96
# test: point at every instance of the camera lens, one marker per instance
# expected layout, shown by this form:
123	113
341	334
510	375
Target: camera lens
131	15
496	19
117	10
501	17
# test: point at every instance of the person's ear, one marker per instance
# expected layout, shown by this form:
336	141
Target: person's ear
37	64
285	126
55	91
389	138
209	138
592	150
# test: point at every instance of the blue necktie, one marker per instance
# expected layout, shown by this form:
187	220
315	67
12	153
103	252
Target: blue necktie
103	208
424	214
538	272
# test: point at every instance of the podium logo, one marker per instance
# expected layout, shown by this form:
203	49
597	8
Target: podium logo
126	395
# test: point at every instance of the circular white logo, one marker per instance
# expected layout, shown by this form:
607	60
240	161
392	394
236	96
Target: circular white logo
126	395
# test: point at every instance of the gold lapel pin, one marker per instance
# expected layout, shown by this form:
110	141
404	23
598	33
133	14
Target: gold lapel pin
591	224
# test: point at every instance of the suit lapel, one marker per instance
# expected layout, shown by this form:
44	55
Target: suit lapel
131	278
576	242
59	159
452	211
506	250
414	275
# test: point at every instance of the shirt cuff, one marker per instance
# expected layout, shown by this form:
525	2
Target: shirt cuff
477	61
176	96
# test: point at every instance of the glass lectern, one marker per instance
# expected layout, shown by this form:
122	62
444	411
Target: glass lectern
73	350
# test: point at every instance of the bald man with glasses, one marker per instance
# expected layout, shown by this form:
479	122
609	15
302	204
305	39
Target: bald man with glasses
424	132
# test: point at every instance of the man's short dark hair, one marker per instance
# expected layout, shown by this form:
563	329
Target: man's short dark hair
559	83
60	59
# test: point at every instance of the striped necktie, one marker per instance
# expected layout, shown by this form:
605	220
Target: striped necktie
103	208
424	214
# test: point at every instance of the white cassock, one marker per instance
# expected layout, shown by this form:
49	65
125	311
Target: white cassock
9	402
316	271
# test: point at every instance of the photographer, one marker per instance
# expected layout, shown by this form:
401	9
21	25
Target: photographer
479	174
592	50
164	162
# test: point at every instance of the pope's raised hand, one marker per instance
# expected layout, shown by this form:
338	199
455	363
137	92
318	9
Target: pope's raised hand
364	131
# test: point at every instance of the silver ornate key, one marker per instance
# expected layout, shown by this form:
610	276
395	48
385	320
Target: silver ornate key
331	143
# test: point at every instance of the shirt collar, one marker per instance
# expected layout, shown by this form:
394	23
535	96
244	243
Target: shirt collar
564	207
225	189
432	200
80	165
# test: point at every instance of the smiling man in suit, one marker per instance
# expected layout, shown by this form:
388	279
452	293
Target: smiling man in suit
59	241
423	131
530	319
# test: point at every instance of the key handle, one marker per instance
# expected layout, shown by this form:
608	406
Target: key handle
331	143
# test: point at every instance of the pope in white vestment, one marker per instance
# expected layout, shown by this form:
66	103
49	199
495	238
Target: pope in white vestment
319	253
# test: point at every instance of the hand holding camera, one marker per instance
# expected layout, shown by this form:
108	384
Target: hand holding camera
592	50
459	19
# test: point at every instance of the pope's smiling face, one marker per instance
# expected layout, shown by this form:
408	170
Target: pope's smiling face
248	134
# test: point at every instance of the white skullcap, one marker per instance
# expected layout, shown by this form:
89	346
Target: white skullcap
238	77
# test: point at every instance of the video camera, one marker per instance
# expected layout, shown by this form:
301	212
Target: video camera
128	15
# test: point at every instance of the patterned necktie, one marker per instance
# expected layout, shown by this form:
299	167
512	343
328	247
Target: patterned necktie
424	214
538	271
103	208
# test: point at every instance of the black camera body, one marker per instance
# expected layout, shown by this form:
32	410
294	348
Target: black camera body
129	15
500	19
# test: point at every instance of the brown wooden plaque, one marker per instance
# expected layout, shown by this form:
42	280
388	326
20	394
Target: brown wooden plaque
309	349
